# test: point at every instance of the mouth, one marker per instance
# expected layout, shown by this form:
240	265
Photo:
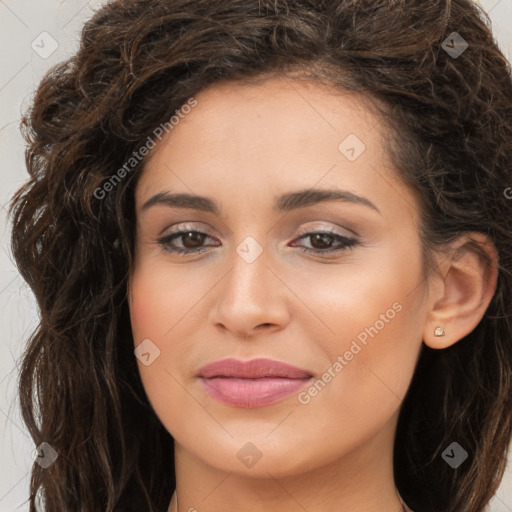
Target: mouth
251	384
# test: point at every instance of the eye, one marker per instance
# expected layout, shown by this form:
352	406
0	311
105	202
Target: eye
192	241
322	241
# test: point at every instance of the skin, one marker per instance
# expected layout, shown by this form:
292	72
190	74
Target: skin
243	145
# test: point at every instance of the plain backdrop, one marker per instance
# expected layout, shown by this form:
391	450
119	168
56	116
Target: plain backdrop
35	35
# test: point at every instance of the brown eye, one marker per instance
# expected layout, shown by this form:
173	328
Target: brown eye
191	241
322	242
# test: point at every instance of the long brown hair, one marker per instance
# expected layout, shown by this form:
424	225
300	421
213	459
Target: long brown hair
449	118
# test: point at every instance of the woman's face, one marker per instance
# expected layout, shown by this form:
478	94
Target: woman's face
347	307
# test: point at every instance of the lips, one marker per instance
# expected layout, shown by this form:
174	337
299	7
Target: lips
253	369
251	383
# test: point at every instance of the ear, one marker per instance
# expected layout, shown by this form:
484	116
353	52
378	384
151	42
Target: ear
461	292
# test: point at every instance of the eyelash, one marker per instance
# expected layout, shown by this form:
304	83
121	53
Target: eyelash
347	242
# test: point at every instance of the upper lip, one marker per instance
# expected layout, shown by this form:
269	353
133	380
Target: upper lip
253	369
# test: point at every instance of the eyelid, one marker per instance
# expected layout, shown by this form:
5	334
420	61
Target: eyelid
329	230
348	241
303	230
182	226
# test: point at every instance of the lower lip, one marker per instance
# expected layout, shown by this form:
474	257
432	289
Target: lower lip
251	393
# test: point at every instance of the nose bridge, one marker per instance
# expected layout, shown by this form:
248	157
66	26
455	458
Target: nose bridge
249	275
247	298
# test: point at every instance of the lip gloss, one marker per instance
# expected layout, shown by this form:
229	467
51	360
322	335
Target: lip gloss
252	393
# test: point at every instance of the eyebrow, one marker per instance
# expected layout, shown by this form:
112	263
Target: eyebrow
284	203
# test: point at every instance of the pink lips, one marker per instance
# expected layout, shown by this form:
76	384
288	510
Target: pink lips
253	383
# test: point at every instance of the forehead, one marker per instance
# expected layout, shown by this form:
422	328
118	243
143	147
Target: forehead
272	111
268	136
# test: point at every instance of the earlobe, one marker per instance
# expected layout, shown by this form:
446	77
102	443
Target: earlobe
465	292
439	331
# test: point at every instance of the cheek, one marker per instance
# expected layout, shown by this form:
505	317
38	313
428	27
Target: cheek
150	309
375	315
377	323
141	314
377	302
164	310
151	304
155	300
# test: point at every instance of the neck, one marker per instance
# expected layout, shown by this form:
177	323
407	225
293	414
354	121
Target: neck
173	506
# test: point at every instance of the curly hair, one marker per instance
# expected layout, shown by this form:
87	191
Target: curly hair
449	119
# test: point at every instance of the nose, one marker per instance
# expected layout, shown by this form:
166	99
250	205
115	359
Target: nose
251	299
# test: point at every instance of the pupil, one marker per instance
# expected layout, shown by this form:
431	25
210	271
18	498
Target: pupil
320	237
192	235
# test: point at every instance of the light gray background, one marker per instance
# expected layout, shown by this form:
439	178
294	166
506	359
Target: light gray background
24	57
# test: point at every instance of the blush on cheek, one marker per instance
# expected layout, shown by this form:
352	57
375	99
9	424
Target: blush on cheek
141	312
